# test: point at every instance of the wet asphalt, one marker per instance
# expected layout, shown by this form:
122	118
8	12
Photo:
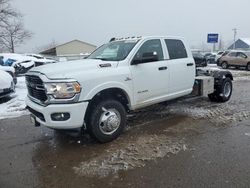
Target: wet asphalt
162	147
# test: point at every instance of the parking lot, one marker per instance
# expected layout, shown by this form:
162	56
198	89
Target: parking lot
184	143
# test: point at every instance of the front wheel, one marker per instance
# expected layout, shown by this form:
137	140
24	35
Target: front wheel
223	93
107	120
248	67
224	65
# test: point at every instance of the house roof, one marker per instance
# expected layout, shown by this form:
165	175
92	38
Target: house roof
74	41
246	40
241	43
54	47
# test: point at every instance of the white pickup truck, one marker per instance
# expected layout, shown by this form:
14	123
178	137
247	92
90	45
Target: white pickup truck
120	76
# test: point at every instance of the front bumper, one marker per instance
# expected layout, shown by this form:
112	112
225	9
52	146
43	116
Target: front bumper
43	114
7	91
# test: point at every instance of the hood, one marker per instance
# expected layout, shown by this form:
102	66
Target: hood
5	80
69	69
27	64
7	68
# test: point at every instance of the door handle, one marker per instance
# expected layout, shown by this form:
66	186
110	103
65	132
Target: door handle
162	68
190	64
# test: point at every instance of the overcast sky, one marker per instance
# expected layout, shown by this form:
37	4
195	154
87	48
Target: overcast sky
96	21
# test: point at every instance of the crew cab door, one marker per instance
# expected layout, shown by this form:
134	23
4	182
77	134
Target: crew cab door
150	74
241	59
232	58
181	67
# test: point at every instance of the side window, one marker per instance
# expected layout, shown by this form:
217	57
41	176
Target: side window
241	55
150	46
232	54
110	52
176	49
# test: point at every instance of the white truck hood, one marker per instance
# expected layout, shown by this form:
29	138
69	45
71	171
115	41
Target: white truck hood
70	69
5	80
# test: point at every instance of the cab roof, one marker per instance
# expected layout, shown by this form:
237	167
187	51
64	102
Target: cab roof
142	37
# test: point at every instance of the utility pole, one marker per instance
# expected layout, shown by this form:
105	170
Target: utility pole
235	33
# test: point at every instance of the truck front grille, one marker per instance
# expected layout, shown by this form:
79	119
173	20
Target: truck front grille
36	88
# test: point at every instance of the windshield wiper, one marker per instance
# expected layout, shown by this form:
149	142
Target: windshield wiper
103	59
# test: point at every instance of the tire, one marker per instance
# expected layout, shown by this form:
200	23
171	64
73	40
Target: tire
204	64
223	93
224	65
107	120
248	67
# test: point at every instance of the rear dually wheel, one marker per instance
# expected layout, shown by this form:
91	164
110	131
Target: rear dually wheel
223	92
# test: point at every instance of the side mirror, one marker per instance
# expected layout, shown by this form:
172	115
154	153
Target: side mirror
146	58
136	61
149	57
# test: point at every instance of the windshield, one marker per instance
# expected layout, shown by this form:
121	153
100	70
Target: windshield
38	57
248	54
114	51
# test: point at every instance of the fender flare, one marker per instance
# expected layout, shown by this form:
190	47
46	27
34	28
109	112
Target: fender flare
111	85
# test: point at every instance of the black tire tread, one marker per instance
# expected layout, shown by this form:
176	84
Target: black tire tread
247	66
226	64
216	97
92	125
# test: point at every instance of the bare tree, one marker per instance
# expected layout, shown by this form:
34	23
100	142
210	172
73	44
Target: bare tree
12	31
6	13
13	34
49	45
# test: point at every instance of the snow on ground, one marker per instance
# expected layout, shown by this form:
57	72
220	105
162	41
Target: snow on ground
15	105
129	155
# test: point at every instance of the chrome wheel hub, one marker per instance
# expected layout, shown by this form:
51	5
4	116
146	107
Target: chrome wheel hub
227	89
109	121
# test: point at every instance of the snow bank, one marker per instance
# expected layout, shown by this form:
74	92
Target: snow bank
15	107
129	155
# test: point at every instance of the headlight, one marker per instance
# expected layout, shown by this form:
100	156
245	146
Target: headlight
63	90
